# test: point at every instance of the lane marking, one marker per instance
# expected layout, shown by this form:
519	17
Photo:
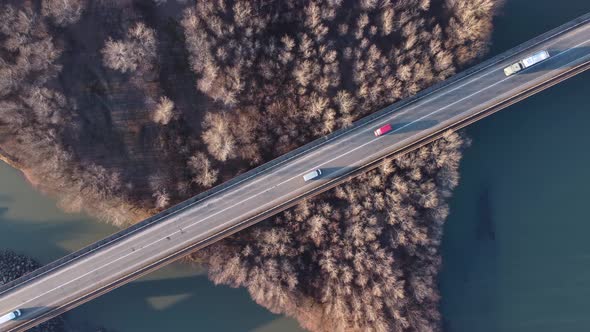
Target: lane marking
348	152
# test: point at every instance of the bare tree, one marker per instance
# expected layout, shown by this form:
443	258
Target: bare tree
137	50
218	137
204	174
162	199
164	111
63	12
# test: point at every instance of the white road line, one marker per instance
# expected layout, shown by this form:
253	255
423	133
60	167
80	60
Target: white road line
251	197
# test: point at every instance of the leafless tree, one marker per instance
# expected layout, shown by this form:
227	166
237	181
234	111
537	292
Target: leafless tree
164	111
137	50
219	139
204	174
63	12
162	199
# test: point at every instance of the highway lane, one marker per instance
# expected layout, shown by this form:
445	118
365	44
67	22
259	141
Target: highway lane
203	220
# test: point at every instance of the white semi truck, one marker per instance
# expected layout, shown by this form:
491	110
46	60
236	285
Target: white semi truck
9	316
526	62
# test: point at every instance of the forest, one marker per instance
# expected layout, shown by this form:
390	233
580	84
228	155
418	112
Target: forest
122	109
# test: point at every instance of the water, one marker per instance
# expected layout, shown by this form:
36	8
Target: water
31	223
515	251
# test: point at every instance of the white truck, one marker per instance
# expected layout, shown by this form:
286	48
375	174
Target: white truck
9	316
526	62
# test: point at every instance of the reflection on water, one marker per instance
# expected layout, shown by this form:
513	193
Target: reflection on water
534	273
180	303
176	298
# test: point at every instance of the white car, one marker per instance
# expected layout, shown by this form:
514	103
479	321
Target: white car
312	175
10	316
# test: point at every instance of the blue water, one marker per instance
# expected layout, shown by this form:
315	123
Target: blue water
516	252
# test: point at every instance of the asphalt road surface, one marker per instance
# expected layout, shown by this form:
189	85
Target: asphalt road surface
201	222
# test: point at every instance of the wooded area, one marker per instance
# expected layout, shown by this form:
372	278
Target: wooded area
123	108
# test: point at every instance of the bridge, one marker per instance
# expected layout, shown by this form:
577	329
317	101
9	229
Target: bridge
278	184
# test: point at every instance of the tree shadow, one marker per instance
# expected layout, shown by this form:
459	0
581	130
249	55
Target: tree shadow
485	227
471	263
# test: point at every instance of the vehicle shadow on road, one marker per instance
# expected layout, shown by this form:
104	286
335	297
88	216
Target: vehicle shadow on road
408	127
333	172
27	310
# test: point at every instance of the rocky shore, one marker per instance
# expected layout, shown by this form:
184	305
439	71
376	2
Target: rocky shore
12	266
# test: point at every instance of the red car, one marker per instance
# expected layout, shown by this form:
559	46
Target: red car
383	130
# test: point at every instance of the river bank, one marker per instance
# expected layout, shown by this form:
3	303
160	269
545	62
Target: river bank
31	224
13	266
